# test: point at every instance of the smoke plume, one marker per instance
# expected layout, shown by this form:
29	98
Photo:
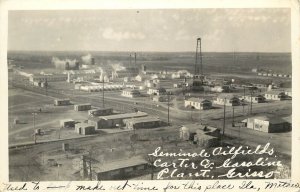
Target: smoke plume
60	64
117	67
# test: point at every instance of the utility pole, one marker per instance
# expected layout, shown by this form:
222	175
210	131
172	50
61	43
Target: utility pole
168	108
224	117
232	116
243	101
34	134
251	103
103	105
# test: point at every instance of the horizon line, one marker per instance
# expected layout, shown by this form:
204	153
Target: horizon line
153	51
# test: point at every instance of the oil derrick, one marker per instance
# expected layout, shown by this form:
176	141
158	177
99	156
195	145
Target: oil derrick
198	73
198	60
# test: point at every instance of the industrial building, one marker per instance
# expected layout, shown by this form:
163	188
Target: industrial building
61	102
127	72
114	121
254	99
100	112
48	78
200	134
125	168
275	95
268	124
227	99
84	129
67	123
131	93
198	103
82	107
99	87
142	123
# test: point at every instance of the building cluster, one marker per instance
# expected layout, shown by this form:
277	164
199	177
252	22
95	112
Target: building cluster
104	118
202	135
265	74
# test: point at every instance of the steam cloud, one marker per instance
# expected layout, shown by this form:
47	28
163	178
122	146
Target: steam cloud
117	67
60	64
87	59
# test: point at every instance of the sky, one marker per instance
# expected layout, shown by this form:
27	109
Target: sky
162	30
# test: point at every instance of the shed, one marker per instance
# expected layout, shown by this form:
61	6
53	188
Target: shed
100	112
61	102
84	129
82	107
112	121
122	169
67	123
142	123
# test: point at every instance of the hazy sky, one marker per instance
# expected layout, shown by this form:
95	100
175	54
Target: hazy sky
257	30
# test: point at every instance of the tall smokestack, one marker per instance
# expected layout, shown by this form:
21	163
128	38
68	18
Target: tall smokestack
67	66
134	59
198	60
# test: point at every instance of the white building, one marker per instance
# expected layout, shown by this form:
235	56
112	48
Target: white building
198	103
275	95
227	99
131	93
156	91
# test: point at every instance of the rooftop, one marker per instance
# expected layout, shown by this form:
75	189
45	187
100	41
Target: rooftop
198	99
275	92
143	119
82	104
273	119
196	127
226	95
66	120
65	99
123	163
83	125
124	115
100	109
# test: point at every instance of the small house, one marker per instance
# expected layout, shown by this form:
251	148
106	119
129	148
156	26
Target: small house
198	103
275	95
254	99
157	91
227	99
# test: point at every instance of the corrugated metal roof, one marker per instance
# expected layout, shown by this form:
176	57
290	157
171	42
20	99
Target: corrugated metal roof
124	115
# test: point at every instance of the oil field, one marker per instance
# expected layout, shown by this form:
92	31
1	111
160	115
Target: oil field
97	115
